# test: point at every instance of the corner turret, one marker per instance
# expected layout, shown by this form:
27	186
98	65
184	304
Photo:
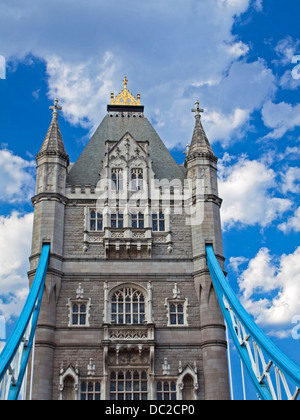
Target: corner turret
201	166
52	160
49	219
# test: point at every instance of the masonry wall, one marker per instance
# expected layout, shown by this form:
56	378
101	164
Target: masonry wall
74	236
75	346
180	345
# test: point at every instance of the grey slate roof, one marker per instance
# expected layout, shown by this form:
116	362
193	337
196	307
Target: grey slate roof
88	166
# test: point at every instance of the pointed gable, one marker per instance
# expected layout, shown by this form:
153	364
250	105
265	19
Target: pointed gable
113	127
130	151
125	115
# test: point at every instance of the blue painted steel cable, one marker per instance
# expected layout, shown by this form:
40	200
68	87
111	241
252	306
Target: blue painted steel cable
277	356
32	307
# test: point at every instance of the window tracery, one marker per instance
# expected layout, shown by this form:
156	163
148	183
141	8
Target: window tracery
79	309
128	385
128	306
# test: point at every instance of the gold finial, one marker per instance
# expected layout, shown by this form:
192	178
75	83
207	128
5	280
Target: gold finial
125	97
125	81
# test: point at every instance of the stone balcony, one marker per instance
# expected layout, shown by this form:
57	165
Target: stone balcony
128	333
127	243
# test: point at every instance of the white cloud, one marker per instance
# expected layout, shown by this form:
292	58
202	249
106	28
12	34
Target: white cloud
245	86
281	118
286	49
16	177
2	328
238	49
287	81
225	127
247	189
2	67
259	276
16	232
161	56
281	334
235	6
291	180
231	100
292	224
258	5
278	280
84	88
236	262
292	153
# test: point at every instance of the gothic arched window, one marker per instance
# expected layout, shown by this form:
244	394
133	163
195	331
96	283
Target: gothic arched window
166	390
90	391
128	385
176	313
79	309
128	306
137	176
117	179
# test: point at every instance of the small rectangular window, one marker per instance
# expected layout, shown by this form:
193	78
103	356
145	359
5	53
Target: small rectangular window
90	391
79	311
117	221
96	221
79	314
138	221
137	176
128	385
177	313
158	222
166	391
117	179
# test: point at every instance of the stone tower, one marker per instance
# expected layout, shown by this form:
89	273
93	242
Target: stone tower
49	211
129	311
201	166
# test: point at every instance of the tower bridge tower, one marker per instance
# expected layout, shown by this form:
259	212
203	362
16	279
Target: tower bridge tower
129	310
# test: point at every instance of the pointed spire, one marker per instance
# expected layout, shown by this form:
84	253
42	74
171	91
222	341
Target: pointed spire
200	141
200	145
53	142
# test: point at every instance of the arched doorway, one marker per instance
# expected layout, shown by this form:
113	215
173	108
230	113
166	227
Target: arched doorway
188	391
69	389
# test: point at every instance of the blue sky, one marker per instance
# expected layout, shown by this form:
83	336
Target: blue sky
237	57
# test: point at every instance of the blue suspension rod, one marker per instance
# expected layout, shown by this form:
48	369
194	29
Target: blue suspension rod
31	312
223	289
